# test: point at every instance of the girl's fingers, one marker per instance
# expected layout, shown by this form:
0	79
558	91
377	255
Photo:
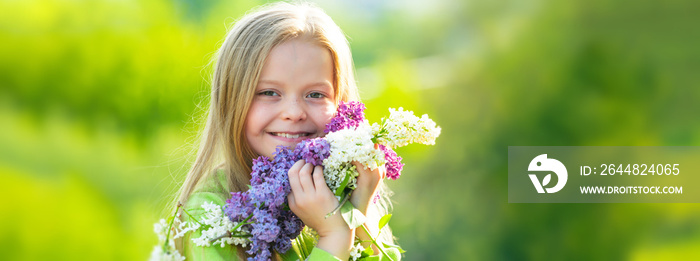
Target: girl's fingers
319	181
366	173
305	177
294	177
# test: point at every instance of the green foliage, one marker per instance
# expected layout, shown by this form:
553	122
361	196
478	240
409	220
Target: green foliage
387	245
301	248
367	252
341	188
352	215
384	220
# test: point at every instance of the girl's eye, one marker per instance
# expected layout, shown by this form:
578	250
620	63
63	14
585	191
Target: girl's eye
268	93
315	95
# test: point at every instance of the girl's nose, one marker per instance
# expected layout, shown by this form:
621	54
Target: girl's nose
294	111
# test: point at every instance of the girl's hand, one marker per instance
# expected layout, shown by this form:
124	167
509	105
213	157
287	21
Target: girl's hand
367	184
311	200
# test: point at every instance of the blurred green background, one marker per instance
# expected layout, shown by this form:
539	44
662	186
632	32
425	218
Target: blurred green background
100	102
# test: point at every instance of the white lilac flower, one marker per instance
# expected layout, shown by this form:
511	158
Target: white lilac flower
403	128
217	224
160	229
356	252
180	228
335	176
428	131
172	255
348	145
169	253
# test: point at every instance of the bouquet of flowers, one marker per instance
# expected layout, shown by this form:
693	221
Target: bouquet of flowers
260	219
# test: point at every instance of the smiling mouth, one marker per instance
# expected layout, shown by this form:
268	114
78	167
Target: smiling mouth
290	135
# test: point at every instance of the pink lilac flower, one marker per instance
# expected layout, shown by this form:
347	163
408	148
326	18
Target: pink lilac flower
393	162
349	115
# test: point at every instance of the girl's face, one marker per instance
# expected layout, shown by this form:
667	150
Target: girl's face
294	99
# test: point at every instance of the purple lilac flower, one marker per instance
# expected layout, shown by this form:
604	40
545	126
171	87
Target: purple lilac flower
393	162
264	195
238	207
282	244
263	255
349	114
260	250
261	167
313	151
272	226
292	225
265	227
284	157
280	188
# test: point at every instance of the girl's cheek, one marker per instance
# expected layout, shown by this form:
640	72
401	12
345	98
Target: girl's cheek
330	112
325	114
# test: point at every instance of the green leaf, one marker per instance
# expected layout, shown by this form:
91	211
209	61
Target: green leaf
295	247
352	216
386	245
371	258
309	241
367	252
384	220
342	185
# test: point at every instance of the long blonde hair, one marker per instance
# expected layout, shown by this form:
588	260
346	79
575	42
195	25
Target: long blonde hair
237	70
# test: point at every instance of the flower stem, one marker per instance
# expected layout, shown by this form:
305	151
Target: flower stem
191	217
229	233
170	228
242	222
345	199
381	249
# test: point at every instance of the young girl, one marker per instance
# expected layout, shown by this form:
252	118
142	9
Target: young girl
279	77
